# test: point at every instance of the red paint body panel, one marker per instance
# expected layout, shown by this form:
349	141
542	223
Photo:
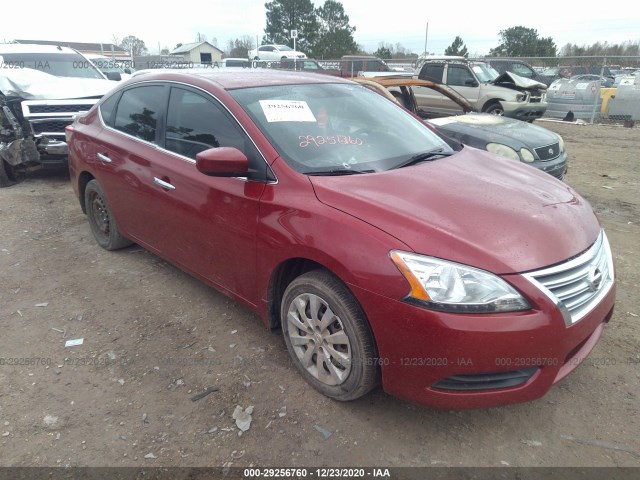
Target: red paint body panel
470	208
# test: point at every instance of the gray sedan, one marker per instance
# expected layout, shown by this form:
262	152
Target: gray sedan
515	139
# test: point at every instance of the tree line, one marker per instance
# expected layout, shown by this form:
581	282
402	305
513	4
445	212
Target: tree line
324	32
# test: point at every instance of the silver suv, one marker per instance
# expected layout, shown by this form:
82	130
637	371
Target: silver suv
508	94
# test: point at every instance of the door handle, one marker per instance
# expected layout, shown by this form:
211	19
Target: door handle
163	184
103	158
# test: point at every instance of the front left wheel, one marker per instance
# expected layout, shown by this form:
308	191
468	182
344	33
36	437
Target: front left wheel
494	108
10	175
103	225
328	336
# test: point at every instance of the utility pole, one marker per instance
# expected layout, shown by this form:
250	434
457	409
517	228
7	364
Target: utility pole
426	36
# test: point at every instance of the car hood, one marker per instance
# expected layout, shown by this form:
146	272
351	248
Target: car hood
30	84
513	81
485	128
473	208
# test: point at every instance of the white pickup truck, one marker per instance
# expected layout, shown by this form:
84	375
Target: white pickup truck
42	88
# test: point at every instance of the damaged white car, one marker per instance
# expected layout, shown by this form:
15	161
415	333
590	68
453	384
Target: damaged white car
42	88
487	91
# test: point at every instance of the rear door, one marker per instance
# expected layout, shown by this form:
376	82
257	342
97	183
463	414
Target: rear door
431	103
124	151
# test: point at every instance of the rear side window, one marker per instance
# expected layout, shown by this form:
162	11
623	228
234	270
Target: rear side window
138	111
107	108
432	72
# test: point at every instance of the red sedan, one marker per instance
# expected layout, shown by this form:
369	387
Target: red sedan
453	277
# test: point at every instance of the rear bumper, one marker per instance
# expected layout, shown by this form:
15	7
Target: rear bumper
476	361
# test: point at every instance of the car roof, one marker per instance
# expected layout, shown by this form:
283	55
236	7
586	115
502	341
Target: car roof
245	78
33	48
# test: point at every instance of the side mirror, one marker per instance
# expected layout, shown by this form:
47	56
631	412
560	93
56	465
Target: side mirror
115	76
470	82
222	162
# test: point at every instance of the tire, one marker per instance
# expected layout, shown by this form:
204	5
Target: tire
103	225
344	369
10	175
494	108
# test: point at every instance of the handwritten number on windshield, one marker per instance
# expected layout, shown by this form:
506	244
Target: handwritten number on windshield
319	140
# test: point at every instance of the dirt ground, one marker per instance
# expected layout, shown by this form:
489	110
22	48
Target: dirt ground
154	337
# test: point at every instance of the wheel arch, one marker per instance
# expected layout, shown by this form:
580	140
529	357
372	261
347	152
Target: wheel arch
283	274
83	179
490	101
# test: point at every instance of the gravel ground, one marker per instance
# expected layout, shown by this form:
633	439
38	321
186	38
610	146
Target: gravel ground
154	337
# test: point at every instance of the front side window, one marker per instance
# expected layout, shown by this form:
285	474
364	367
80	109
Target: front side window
319	128
459	76
138	111
196	123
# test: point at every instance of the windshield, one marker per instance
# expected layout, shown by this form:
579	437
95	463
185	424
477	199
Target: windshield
57	64
551	71
328	127
484	72
284	48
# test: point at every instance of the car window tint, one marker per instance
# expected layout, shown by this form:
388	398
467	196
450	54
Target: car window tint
457	75
107	108
196	123
432	72
137	112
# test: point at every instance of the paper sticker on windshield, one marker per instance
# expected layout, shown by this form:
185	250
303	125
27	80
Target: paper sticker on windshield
287	111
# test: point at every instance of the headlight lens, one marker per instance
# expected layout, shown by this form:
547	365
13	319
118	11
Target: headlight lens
503	151
526	154
561	142
453	287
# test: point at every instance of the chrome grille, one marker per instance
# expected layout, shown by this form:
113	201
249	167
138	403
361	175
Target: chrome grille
50	126
548	152
59	108
578	284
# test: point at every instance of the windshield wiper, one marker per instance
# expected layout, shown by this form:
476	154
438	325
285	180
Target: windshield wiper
424	156
339	171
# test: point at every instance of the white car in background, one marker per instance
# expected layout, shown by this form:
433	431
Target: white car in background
112	68
274	52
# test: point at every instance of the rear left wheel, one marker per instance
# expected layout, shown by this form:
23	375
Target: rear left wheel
103	225
328	336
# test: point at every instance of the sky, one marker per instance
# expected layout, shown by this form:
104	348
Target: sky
163	25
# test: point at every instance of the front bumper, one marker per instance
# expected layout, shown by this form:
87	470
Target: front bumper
556	167
446	360
524	111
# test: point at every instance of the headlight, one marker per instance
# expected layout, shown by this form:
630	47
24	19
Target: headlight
561	143
520	97
503	151
527	156
453	287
